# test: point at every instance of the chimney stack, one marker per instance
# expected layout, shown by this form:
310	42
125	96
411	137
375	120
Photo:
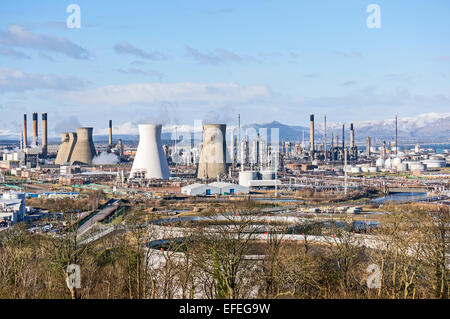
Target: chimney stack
343	136
352	136
325	136
368	146
110	132
35	129
25	137
44	135
311	133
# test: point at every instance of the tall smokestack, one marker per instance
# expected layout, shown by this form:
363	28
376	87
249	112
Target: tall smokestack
110	132
396	145
25	137
325	136
332	139
343	136
352	136
311	133
44	135
368	145
239	140
35	129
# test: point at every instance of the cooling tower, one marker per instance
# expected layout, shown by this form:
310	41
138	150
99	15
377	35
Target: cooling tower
150	160
213	155
84	150
64	149
44	135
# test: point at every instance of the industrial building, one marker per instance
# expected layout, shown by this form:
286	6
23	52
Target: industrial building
216	188
12	207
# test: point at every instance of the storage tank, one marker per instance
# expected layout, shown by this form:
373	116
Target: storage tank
388	163
267	175
214	152
380	162
84	150
434	163
396	161
355	169
246	176
373	169
150	160
417	167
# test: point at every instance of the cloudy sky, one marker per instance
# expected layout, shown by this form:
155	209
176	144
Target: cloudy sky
179	61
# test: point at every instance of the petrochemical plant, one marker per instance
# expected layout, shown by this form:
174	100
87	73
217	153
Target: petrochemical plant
230	162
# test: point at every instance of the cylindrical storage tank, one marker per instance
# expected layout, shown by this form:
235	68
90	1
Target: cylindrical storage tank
373	169
388	163
267	175
433	163
150	160
380	162
396	161
84	150
355	170
417	167
214	152
246	176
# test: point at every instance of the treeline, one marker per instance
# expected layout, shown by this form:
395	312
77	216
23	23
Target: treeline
405	258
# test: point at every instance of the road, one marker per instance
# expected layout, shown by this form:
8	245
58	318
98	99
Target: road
112	206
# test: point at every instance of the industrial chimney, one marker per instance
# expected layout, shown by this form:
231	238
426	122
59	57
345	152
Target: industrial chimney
150	160
84	150
213	155
368	146
44	135
352	136
343	136
311	133
35	129
25	136
110	132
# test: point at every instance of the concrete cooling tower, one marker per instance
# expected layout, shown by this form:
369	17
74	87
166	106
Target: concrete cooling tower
150	160
84	150
214	152
68	141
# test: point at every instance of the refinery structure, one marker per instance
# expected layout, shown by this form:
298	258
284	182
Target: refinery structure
253	160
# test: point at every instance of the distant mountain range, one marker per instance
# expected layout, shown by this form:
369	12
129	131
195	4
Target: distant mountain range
424	128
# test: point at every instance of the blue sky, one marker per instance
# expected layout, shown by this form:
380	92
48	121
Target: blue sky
178	61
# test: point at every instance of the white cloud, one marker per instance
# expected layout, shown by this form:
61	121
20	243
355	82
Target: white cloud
17	81
126	48
187	92
17	36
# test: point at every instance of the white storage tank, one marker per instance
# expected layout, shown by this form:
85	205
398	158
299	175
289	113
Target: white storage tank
380	162
246	176
434	163
267	175
417	167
